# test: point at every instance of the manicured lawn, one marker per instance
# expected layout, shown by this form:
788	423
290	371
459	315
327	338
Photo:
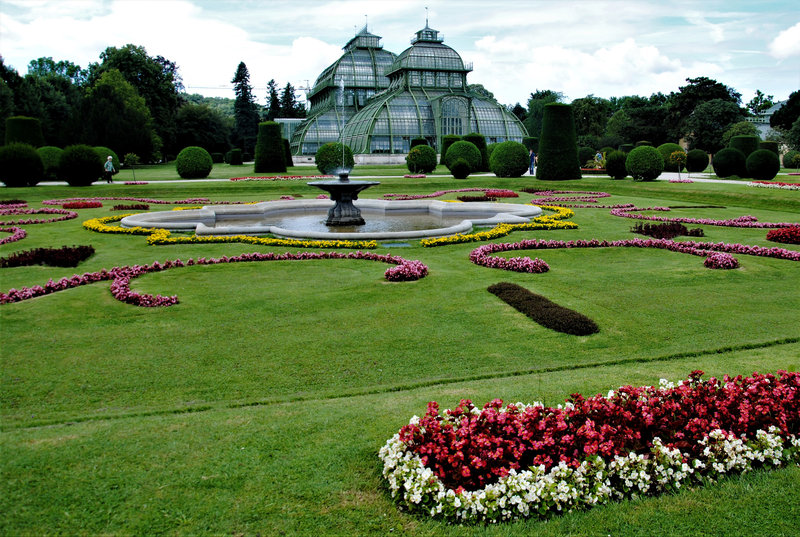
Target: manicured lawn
258	403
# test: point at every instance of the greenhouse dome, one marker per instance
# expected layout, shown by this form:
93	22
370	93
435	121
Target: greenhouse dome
428	97
342	90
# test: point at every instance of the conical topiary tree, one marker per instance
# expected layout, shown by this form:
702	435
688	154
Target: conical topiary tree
558	149
447	141
269	148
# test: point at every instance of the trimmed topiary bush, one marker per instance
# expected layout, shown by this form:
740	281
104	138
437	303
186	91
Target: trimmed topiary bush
615	165
666	150
217	158
531	142
417	141
585	154
460	168
50	155
287	152
235	157
24	130
20	165
334	156
447	141
762	165
696	160
480	142
104	153
791	159
193	162
80	165
558	152
269	149
644	163
640	143
509	159
421	159
728	162
772	146
464	150
626	148
745	144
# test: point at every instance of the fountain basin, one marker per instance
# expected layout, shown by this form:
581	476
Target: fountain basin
262	218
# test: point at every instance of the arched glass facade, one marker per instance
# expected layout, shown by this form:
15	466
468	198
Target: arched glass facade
342	90
427	97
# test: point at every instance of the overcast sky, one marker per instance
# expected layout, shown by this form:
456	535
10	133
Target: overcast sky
604	48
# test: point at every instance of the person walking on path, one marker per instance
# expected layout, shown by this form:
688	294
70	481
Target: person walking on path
532	167
108	169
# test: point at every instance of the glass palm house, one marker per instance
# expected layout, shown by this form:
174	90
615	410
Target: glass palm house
422	93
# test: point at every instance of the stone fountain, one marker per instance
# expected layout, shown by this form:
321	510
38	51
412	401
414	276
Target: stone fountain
343	193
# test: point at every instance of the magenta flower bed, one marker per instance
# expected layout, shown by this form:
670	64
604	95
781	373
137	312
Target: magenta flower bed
484	445
17	234
482	255
497	193
404	270
7	211
746	221
81	205
786	235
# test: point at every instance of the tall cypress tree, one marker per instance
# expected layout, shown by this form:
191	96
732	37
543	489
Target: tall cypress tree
273	100
245	111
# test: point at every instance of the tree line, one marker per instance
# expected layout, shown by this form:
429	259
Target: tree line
132	102
704	112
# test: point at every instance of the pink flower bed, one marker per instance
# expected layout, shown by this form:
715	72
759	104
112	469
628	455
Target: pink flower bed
281	177
135	183
65	215
469	448
188	201
746	221
17	234
681	181
415	176
499	193
404	270
482	255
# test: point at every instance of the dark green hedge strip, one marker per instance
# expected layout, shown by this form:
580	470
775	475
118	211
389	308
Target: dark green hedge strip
544	311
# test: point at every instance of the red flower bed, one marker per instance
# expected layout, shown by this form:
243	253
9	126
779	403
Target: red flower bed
81	205
786	235
484	445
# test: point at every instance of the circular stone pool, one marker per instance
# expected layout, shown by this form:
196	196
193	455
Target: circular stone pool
385	220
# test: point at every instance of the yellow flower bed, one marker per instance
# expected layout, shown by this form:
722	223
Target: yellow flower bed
159	236
548	221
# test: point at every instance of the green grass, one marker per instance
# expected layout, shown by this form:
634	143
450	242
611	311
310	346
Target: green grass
257	405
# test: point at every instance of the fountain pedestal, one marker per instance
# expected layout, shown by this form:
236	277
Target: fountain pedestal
343	193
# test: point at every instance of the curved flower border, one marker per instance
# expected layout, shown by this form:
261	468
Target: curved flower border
536	492
782	186
720	251
159	236
403	271
8	211
548	221
746	221
17	234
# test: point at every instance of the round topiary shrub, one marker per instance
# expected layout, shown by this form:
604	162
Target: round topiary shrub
50	155
269	149
509	159
558	150
791	159
20	165
772	146
640	143
480	143
644	163
447	141
464	150
193	162
615	165
762	165
80	165
418	141
696	160
745	144
334	156
105	152
460	168
728	162
666	150
585	154
421	159
626	148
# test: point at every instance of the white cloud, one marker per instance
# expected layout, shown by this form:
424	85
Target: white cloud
786	43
